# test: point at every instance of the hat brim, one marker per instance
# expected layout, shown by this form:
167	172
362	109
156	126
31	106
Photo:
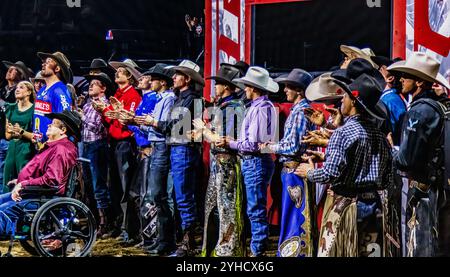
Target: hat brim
157	75
67	76
107	82
313	94
286	81
380	60
347	90
402	68
71	126
24	70
272	86
359	53
225	81
134	72
195	76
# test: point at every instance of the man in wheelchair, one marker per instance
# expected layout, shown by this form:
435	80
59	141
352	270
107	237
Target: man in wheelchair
47	173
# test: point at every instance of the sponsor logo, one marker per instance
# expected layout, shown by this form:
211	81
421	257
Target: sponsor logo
43	107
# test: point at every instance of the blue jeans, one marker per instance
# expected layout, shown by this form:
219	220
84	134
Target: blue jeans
184	162
3	150
257	173
97	153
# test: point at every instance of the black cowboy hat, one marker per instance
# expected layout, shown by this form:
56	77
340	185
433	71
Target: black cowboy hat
97	64
297	78
366	91
240	65
63	63
226	74
382	60
71	119
356	68
102	77
24	70
161	70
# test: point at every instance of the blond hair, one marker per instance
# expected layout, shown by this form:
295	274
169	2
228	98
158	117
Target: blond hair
30	87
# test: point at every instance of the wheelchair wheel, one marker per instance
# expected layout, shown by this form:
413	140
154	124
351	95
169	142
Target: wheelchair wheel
63	227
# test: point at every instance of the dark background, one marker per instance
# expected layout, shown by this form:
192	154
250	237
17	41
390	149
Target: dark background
308	34
143	29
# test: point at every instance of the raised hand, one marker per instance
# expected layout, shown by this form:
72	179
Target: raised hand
314	116
116	104
314	139
336	116
315	156
98	105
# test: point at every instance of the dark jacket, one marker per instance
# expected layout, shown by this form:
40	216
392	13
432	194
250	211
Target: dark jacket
8	96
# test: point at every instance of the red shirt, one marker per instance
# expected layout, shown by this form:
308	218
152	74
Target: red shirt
131	100
51	166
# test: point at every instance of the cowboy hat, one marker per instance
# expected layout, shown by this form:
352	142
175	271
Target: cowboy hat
240	65
37	77
129	65
102	77
323	88
421	66
160	70
226	74
382	60
63	63
258	77
297	78
364	53
96	64
366	91
190	69
356	68
24	70
71	119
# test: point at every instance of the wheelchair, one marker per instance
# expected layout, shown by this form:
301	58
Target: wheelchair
56	226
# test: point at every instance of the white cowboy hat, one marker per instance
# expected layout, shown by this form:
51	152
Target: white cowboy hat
422	66
324	88
258	77
190	69
364	53
130	65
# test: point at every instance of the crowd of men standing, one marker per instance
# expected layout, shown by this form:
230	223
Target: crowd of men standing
363	153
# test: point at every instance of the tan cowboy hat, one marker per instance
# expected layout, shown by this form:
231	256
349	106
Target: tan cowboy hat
364	53
190	69
63	62
258	77
129	65
421	66
324	88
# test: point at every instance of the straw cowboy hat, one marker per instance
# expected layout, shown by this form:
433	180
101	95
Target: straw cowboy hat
258	77
24	70
226	74
63	62
297	78
366	91
190	69
323	88
129	65
364	53
421	66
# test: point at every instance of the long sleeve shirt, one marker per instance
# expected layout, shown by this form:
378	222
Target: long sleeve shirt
51	167
397	109
259	126
160	113
54	99
131	100
188	106
295	128
147	106
358	159
93	127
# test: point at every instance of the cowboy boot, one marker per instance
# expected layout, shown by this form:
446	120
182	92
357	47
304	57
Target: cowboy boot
103	230
187	246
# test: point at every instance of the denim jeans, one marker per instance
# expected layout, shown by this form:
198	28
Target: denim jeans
10	212
184	162
257	173
3	150
159	171
97	153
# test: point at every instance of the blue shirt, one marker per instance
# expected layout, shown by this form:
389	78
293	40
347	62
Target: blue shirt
397	109
160	113
295	128
147	106
55	99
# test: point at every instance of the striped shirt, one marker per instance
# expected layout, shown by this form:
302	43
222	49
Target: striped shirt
93	128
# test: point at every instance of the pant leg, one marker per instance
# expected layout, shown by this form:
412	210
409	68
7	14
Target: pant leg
3	150
170	192
257	174
10	170
96	152
159	170
8	215
183	162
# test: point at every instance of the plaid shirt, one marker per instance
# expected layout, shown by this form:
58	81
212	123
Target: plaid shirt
358	159
93	128
294	130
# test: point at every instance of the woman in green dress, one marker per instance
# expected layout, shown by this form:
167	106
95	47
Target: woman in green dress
19	132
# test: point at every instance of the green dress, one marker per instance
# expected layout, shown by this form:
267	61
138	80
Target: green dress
20	151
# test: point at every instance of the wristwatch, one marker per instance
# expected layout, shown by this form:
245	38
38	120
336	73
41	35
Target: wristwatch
21	132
